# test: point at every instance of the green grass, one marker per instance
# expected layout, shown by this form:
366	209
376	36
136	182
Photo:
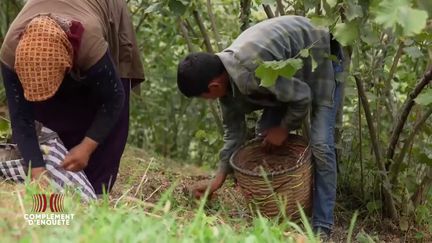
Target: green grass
139	210
127	220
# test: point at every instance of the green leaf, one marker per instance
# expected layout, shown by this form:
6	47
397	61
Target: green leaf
424	98
4	126
424	36
314	64
419	236
423	158
291	67
304	53
346	33
268	2
369	35
396	14
353	11
269	71
403	224
413	51
177	7
425	5
308	4
200	134
387	12
267	75
154	8
373	206
331	3
413	21
321	21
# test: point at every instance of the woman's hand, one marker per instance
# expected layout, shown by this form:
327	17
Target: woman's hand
78	157
40	176
37	173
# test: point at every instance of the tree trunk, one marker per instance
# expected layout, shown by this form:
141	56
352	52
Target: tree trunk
388	198
245	14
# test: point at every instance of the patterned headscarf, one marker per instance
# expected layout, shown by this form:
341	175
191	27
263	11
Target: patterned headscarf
43	56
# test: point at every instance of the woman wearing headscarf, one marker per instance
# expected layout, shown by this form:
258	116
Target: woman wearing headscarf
70	65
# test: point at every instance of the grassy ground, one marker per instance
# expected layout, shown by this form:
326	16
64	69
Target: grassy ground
151	203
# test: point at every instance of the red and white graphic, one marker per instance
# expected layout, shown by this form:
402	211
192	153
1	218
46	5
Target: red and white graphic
40	203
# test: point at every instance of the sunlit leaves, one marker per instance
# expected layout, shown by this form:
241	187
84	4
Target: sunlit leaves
398	14
267	2
269	71
322	20
308	4
353	10
413	51
369	35
424	98
346	33
154	7
178	7
329	5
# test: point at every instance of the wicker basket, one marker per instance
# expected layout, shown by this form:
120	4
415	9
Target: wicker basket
278	180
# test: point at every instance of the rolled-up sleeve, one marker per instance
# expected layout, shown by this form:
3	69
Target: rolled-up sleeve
234	125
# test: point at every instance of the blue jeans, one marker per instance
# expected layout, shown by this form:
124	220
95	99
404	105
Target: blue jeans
323	122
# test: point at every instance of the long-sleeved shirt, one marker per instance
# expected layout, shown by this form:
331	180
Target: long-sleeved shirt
107	26
101	79
275	39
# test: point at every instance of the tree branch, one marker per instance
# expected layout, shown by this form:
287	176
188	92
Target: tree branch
409	103
213	108
213	24
419	197
203	31
360	146
268	11
280	7
190	28
398	162
375	145
140	22
245	14
387	84
216	115
185	34
339	114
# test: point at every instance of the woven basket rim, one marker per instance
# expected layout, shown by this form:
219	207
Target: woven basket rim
300	161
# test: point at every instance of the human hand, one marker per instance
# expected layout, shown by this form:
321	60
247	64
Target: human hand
78	157
38	172
274	137
39	176
200	188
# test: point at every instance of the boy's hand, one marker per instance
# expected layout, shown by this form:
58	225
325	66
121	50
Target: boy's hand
275	137
78	157
199	189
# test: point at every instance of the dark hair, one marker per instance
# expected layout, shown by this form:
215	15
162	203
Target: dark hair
195	72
